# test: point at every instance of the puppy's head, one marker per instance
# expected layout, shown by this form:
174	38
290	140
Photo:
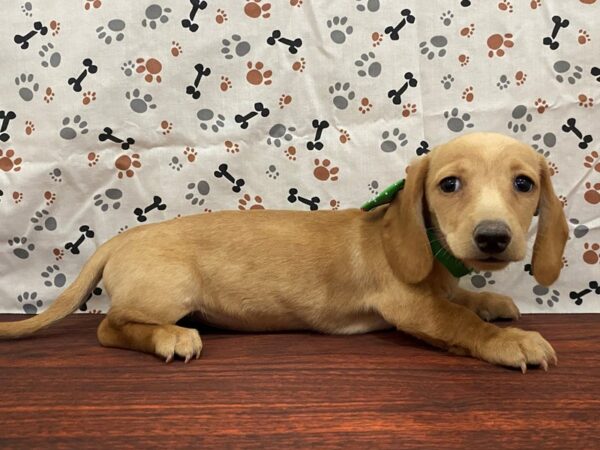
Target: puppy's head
479	193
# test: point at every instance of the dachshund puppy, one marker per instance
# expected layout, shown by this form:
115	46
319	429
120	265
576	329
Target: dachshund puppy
341	272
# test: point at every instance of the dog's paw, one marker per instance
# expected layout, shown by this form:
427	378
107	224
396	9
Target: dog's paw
171	340
497	306
514	347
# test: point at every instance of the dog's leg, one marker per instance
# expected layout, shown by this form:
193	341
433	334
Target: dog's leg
460	330
487	305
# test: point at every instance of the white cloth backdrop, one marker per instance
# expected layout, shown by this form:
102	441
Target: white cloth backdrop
169	79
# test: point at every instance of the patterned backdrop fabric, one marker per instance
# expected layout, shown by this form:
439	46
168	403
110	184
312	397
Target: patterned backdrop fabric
114	114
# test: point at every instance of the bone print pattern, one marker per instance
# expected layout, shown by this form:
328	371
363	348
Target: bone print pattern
115	114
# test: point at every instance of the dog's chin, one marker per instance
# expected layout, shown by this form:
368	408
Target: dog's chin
486	264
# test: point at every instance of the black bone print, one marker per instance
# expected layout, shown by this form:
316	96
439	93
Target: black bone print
5	117
465	3
259	108
570	127
108	135
86	232
319	126
559	23
394	30
157	203
223	172
396	95
38	27
593	286
293	197
293	44
89	67
201	71
596	73
188	23
423	148
97	291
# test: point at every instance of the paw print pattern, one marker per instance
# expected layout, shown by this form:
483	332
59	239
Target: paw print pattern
113	30
520	117
457	122
155	15
27	86
30	302
391	140
342	94
73	127
246	202
435	47
138	102
50	57
340	29
498	43
197	192
111	198
482	279
279	134
367	65
53	276
591	253
235	46
564	72
543	293
210	120
42	220
20	248
592	193
257	9
257	74
324	171
9	161
447	81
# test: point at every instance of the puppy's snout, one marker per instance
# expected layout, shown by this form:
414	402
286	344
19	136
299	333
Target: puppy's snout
492	236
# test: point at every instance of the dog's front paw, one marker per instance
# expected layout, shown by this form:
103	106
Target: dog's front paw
497	306
514	347
171	340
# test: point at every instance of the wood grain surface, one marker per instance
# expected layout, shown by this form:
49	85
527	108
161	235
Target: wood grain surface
61	389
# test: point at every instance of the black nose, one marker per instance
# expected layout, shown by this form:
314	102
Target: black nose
492	236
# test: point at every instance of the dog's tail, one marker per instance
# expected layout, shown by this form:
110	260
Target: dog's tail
67	302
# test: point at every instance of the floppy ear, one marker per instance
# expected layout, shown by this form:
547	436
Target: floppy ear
404	236
552	233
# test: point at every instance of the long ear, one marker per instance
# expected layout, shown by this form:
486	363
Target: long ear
404	236
552	233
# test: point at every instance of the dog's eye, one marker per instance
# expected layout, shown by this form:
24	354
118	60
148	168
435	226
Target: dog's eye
523	184
450	184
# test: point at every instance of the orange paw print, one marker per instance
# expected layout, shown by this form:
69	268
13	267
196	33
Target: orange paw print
166	127
505	5
17	197
299	65
58	253
8	161
127	165
591	160
93	159
408	109
225	83
592	195
583	37
284	100
55	27
256	75
296	3
344	136
535	4
176	49
190	153
290	153
324	171
376	38
552	168
463	60
151	67
468	94
232	147
256	9
591	255
498	42
221	16
541	105
29	127
468	31
49	197
89	4
365	105
520	78
49	95
88	97
335	204
585	101
246	202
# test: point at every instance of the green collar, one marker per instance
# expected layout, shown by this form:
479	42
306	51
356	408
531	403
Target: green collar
454	265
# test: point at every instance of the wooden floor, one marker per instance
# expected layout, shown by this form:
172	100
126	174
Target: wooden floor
297	390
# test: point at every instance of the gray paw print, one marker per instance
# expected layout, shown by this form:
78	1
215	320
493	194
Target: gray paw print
436	42
272	172
114	28
339	30
371	5
111	197
366	61
341	94
197	192
72	127
27	9
139	103
154	14
562	67
542	291
30	302
53	60
175	164
447	81
481	280
128	68
389	145
21	249
580	229
206	116
447	17
373	187
242	48
43	221
26	86
520	116
53	276
548	140
503	82
279	133
456	121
